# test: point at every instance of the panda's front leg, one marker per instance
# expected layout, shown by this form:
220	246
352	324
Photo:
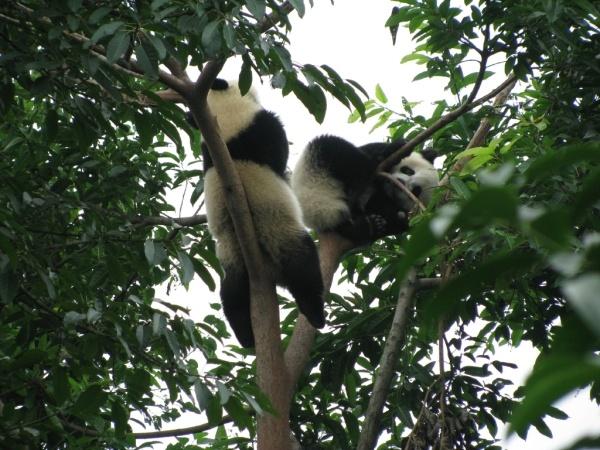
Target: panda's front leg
235	297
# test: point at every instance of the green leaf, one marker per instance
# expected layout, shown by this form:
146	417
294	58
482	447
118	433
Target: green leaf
119	416
460	187
158	45
173	343
551	379
117	46
240	416
210	33
298	6
159	324
257	8
379	94
245	77
27	359
313	98
90	401
214	411
9	285
558	160
150	251
186	266
60	385
138	382
99	14
203	395
446	303
284	57
417	57
229	36
149	66
107	29
204	274
224	393
486	205
582	294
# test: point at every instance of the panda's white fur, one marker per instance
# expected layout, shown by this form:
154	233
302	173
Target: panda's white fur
233	111
322	197
258	147
274	208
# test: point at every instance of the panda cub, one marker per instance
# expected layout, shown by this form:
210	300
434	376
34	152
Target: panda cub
333	176
258	146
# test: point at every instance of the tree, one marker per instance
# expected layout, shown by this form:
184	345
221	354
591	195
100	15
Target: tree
508	252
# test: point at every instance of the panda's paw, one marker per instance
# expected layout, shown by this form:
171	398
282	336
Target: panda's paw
377	225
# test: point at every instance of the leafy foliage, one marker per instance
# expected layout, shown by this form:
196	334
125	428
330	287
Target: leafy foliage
89	151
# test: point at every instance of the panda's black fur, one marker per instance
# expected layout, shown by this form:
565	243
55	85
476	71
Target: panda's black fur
336	186
258	146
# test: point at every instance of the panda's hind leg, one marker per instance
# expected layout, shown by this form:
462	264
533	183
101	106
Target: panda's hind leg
235	297
301	275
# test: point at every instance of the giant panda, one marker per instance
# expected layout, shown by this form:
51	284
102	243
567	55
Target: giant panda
333	176
258	146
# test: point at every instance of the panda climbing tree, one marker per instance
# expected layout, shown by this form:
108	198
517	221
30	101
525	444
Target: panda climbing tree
258	146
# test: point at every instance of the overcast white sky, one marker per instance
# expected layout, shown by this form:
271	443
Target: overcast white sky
351	38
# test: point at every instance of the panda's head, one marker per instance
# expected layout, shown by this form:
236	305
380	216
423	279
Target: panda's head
417	173
234	111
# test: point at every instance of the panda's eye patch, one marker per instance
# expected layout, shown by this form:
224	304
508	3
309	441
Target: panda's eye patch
407	170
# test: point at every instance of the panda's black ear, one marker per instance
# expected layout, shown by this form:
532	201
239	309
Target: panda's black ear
219	84
190	119
429	154
397	144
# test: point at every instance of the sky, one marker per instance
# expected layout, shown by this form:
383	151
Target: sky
350	37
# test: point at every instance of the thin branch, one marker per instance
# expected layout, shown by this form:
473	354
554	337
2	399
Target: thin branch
273	19
169	95
481	133
170	221
410	437
176	69
181	431
428	283
332	247
152	434
485	54
387	365
403	188
129	67
393	159
443	437
273	430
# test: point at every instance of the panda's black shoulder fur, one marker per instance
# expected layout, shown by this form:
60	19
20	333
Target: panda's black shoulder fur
340	158
263	142
353	166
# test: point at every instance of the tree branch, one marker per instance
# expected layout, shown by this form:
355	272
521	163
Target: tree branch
387	365
485	54
181	431
427	283
483	129
169	221
403	188
394	158
273	431
152	434
129	67
331	248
